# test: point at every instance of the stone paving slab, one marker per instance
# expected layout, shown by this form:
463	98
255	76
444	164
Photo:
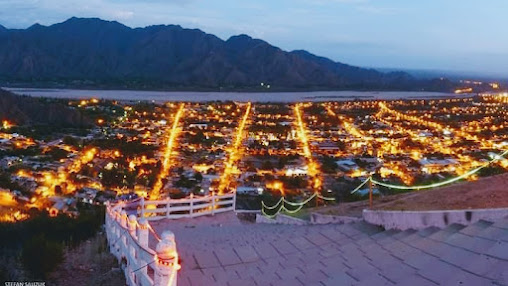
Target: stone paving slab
499	250
265	250
284	247
312	276
224	251
466	279
206	259
439	272
340	278
415	280
317	238
501	224
247	254
301	243
227	257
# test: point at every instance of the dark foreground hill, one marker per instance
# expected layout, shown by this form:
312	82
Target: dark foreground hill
25	110
89	52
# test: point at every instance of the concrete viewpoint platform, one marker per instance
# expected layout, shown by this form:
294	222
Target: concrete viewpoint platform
222	250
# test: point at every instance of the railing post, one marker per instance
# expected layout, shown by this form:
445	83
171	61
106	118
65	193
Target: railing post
142	203
123	239
132	225
143	229
168	207
166	261
143	232
191	204
213	203
123	219
234	201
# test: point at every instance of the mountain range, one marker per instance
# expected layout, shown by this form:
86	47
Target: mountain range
90	52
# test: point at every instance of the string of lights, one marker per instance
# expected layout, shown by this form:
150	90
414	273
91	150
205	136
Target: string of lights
361	185
301	203
325	198
274	206
292	211
449	181
281	207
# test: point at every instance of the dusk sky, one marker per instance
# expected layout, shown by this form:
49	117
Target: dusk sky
461	35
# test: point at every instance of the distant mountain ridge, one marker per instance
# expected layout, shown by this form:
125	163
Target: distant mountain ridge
90	52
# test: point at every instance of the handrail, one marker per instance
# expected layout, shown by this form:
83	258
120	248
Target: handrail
187	207
128	236
129	242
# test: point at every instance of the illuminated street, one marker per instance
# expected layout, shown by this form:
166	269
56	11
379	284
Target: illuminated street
234	153
168	152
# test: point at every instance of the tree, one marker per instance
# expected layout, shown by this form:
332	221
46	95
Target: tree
198	177
267	165
57	153
41	256
69	140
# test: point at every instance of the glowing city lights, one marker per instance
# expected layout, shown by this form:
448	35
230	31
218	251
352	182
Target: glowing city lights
166	163
234	153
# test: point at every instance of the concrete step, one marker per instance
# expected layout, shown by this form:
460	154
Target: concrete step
428	231
475	228
367	228
494	233
385	235
443	234
418	234
475	244
404	234
501	223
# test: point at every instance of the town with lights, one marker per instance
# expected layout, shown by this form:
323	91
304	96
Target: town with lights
257	150
290	163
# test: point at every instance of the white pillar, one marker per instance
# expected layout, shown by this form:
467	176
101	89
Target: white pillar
132	225
142	203
123	239
143	232
213	203
191	204
166	265
168	206
234	201
123	219
143	242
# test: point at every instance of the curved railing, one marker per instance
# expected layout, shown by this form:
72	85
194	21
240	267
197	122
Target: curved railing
129	234
128	240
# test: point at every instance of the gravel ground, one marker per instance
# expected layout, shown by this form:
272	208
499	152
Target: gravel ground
88	264
488	192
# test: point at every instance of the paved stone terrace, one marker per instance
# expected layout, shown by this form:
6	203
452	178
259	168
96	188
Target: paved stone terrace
221	250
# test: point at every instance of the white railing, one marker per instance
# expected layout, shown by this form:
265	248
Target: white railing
128	240
128	231
186	208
